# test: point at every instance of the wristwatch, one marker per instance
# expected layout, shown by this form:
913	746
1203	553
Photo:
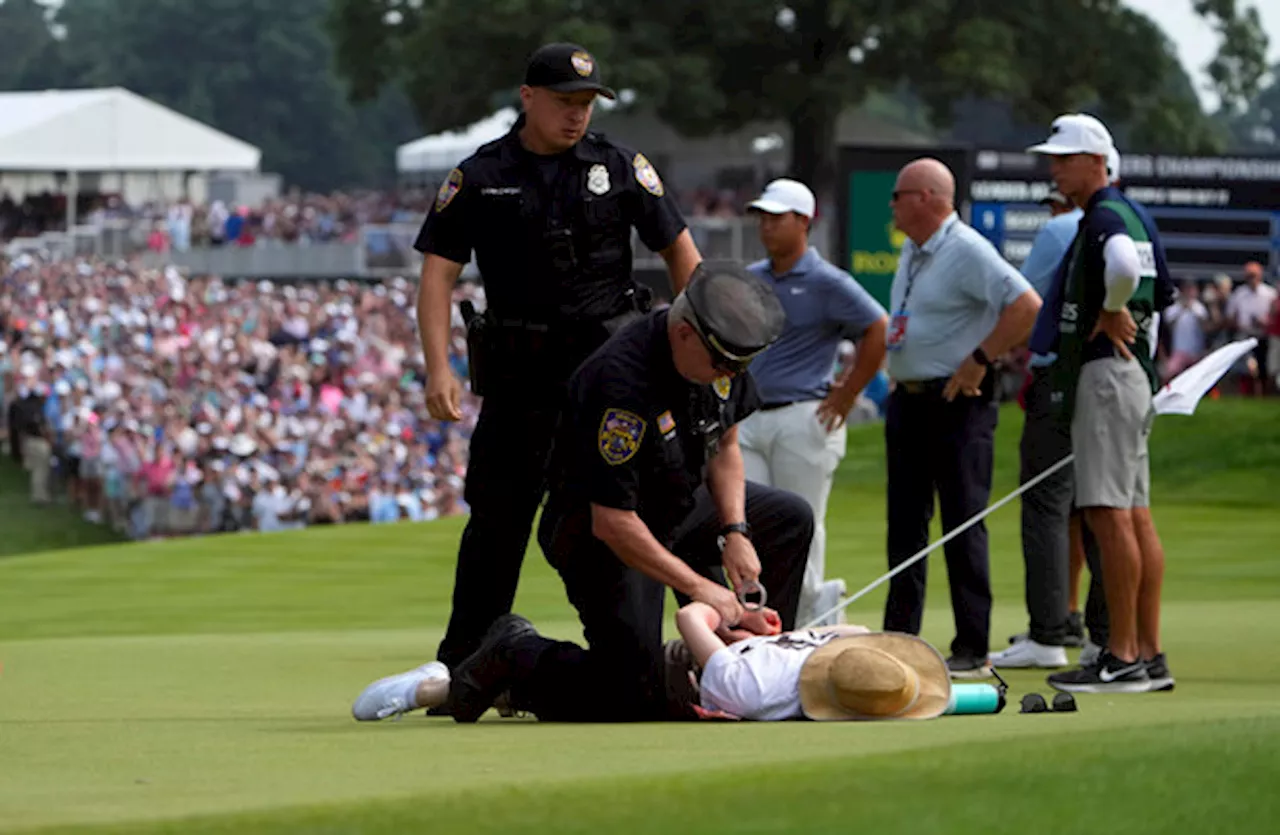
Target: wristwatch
737	527
980	357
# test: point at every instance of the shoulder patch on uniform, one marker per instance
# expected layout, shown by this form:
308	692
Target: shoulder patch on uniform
722	386
620	435
449	189
647	175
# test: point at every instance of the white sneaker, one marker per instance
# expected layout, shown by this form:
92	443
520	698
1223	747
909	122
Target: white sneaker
1090	654
1029	653
393	695
831	593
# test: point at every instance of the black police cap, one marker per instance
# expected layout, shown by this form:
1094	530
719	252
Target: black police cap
737	312
565	68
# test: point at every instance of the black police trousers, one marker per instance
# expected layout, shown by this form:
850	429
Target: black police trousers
932	445
620	677
505	483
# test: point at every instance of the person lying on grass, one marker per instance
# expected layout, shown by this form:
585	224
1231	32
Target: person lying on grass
827	673
751	671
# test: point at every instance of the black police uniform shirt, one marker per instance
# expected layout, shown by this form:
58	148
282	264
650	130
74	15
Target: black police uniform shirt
636	436
551	234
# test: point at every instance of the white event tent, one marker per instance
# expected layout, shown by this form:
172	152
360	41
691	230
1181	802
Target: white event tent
442	151
111	134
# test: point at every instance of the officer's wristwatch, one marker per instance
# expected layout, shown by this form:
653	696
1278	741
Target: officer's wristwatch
737	527
980	357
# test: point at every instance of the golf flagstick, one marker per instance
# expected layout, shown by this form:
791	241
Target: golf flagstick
953	533
1179	396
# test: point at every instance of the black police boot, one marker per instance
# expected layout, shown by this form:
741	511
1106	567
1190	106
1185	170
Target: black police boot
479	680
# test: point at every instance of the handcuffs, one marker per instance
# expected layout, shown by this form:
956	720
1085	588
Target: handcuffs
752	587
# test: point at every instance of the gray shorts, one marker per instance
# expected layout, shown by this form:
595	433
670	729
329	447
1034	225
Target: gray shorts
1109	432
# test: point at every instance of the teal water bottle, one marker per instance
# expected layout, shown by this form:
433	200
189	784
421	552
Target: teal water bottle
974	698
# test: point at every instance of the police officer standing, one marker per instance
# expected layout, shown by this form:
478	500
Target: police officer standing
548	211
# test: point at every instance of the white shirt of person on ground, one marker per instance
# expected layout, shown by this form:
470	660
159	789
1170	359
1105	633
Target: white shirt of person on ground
759	678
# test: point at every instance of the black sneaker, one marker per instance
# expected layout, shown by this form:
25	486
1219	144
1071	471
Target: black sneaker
968	667
1111	675
1158	672
1075	630
477	682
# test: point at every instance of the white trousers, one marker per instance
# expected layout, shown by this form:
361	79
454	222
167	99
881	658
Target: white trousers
789	449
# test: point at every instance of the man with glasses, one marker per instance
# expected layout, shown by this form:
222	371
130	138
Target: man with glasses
647	492
955	305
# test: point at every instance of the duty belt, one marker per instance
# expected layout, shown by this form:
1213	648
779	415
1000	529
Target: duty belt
934	386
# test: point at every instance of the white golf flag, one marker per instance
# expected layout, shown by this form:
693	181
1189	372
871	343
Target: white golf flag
1180	395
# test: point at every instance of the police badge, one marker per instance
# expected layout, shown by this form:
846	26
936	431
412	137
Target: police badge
722	386
582	63
620	435
598	179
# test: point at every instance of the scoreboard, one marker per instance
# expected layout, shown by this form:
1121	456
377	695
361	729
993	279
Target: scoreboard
1214	213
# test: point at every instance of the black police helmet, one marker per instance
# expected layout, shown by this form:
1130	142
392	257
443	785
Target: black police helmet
735	312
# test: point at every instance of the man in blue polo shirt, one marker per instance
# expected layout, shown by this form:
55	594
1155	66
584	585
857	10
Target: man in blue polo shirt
797	438
1046	507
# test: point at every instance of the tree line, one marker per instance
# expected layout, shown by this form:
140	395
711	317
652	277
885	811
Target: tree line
328	88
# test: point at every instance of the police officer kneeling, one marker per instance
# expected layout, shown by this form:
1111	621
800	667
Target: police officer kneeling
647	491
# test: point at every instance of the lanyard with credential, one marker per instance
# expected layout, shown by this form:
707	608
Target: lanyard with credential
898	325
919	258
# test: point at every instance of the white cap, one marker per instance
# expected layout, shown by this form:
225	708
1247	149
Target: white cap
782	196
1113	165
1076	133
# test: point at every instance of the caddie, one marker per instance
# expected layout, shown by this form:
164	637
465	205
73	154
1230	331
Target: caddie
1106	295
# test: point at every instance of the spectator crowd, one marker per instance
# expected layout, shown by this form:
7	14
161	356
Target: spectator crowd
1207	316
294	218
168	405
163	404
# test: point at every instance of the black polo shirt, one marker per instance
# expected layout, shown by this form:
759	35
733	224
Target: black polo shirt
636	435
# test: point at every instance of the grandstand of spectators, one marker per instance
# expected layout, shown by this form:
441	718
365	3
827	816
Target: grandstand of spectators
174	405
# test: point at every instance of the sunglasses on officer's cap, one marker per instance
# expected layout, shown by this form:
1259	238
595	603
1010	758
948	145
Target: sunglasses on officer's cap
722	358
726	355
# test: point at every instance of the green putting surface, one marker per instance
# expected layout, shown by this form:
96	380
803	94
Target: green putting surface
205	685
